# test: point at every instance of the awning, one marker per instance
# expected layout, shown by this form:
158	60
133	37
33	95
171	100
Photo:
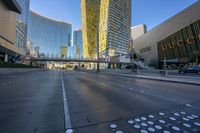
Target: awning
7	51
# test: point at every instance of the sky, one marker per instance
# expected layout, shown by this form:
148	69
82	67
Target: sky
149	12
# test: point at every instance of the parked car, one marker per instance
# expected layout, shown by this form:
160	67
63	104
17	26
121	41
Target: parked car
190	70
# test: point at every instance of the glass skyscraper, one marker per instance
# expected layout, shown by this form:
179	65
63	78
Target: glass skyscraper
114	27
107	22
22	25
63	52
90	23
48	34
70	52
77	35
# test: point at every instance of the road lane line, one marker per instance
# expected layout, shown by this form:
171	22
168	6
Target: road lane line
66	107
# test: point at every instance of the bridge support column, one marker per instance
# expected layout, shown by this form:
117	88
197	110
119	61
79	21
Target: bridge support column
79	65
98	69
31	63
6	58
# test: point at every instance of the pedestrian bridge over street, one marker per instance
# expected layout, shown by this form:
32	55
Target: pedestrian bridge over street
112	61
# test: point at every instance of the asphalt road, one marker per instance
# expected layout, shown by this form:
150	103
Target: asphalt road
31	103
95	103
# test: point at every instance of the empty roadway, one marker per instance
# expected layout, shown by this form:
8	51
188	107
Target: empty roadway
32	102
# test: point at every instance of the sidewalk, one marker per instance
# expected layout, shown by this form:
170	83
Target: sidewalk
192	80
169	78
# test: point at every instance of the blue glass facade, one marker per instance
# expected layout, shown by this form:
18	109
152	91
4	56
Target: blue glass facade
71	52
48	34
22	25
78	43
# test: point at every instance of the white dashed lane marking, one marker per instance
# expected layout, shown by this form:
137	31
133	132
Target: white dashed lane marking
66	109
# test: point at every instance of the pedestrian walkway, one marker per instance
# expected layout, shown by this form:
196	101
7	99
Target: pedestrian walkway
193	80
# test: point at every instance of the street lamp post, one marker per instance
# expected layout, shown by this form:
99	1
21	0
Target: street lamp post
165	64
132	55
98	69
132	60
79	55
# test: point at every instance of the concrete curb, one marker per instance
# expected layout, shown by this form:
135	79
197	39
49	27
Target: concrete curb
155	78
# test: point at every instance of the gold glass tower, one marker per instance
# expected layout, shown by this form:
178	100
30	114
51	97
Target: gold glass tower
90	10
114	27
63	52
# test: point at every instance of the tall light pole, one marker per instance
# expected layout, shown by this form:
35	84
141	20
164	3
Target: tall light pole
98	69
165	64
132	60
132	56
79	54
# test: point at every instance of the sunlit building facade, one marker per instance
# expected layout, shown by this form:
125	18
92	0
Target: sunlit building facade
138	30
8	11
63	52
114	27
90	10
48	34
78	44
22	25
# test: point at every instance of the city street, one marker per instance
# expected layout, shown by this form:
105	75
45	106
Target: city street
51	101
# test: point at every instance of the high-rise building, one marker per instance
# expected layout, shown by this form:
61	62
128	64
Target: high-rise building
22	25
78	43
8	12
138	30
71	52
90	10
37	51
114	27
51	36
63	52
